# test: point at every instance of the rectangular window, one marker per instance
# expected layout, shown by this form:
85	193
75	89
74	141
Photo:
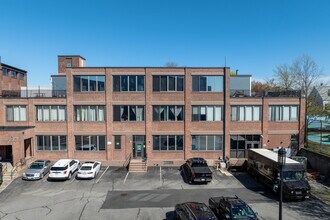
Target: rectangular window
206	142
167	142
168	113
206	113
68	62
117	142
51	143
21	76
89	112
16	113
207	83
169	83
128	113
4	71
50	113
283	113
128	83
88	83
13	74
246	113
90	142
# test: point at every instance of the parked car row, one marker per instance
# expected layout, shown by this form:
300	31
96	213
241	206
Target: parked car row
218	208
62	169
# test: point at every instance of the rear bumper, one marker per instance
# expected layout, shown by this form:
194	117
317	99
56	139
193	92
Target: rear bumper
202	180
85	176
30	178
57	177
296	197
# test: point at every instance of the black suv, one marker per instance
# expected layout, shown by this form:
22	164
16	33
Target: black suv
231	208
193	211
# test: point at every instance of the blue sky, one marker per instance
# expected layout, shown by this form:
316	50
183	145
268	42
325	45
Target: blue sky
255	36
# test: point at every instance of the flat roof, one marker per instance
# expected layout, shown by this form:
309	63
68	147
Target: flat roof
148	67
71	56
272	155
14	68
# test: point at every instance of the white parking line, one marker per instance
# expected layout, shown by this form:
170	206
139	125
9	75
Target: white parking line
126	177
73	177
102	175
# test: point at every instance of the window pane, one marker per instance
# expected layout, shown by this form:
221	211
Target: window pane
45	110
47	142
179	113
116	113
155	113
78	141
218	113
102	142
210	113
218	142
256	113
155	83
100	83
38	113
40	142
84	83
163	142
55	144
241	113
270	113
53	113
171	142
92	113
116	83
202	83
218	80
100	114
210	142
140	80
124	83
180	83
10	113
163	113
210	83
248	113
163	83
23	113
294	113
117	142
155	142
76	84
132	113
85	144
286	113
16	113
93	145
124	113
92	83
195	113
171	83
194	142
171	113
63	143
132	83
179	142
203	113
202	142
195	83
140	113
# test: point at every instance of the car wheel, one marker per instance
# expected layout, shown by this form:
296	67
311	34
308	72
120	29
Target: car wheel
69	177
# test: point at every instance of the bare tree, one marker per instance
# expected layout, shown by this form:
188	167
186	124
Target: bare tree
171	64
283	77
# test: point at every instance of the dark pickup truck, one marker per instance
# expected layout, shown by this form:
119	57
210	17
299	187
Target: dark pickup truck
196	170
231	208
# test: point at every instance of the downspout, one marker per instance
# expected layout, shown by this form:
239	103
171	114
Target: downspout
185	108
224	114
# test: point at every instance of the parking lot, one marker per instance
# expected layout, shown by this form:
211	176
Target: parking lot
114	194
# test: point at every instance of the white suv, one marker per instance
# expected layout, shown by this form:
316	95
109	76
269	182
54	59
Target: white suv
63	169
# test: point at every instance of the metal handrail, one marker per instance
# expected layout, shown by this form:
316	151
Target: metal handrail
128	159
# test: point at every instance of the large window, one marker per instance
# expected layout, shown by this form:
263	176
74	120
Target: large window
88	83
16	113
167	142
51	143
50	113
207	113
4	71
89	112
246	113
128	113
283	113
128	83
207	83
168	113
239	145
90	143
21	76
206	142
168	83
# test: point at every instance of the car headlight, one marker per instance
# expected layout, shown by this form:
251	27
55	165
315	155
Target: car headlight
24	174
292	191
37	174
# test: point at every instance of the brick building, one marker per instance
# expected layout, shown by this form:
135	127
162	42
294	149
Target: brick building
163	114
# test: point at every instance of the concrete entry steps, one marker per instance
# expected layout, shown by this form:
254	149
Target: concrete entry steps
137	166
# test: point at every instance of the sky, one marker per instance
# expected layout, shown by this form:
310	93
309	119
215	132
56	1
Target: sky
254	36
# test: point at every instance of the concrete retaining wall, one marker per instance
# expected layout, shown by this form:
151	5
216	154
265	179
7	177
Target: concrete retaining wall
317	162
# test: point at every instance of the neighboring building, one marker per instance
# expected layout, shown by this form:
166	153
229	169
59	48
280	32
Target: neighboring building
11	78
321	95
164	114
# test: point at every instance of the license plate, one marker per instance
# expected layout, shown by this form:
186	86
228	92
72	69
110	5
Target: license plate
84	173
203	179
298	192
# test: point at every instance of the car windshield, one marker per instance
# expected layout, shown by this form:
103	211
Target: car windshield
85	168
199	165
293	175
36	166
242	211
59	168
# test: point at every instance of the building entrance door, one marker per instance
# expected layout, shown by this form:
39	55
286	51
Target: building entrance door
6	153
139	146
